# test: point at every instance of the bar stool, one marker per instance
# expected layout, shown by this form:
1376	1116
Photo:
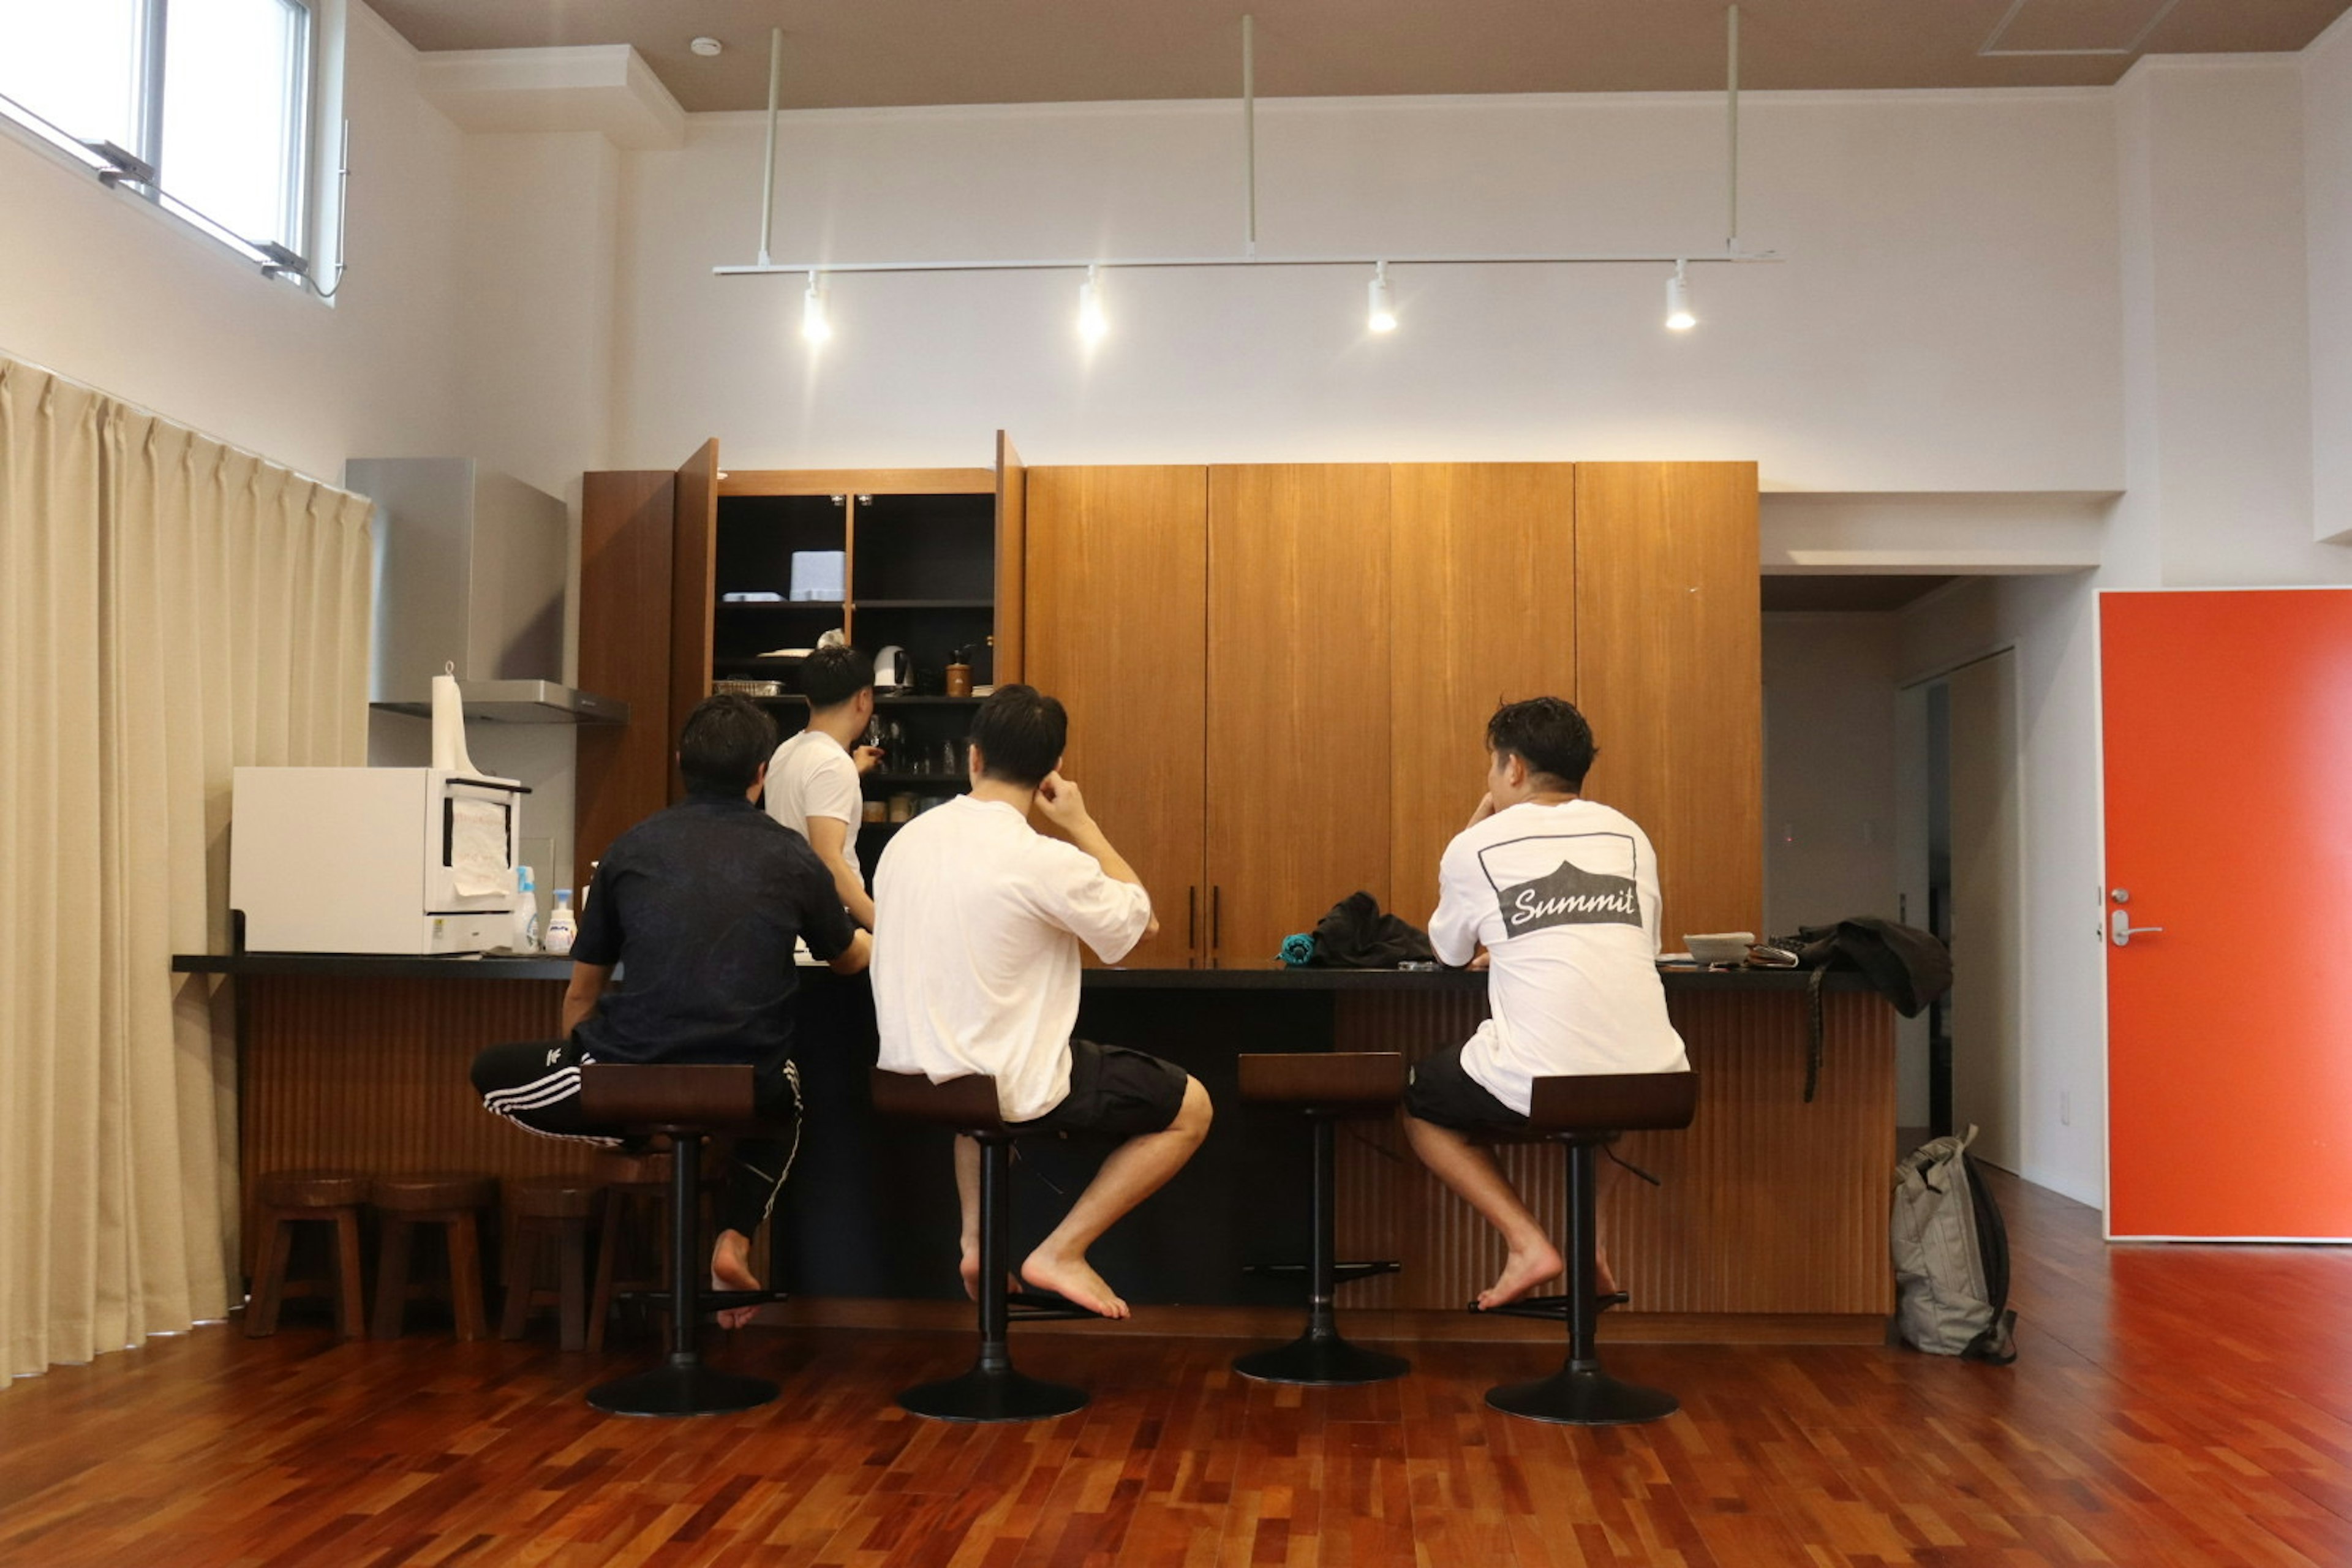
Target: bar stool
1325	1085
635	1185
284	1199
684	1104
1582	1113
991	1390
453	1201
552	1214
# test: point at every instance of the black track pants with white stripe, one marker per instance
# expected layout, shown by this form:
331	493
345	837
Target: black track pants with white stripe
536	1085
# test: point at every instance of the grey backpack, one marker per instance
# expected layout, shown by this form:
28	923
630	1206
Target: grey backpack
1951	1257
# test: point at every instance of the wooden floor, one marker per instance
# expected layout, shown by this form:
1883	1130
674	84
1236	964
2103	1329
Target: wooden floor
2184	1405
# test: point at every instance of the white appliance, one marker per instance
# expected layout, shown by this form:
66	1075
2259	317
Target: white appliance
399	860
892	669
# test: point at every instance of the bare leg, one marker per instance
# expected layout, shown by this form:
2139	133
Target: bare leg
730	1269
1471	1171
1136	1169
967	1167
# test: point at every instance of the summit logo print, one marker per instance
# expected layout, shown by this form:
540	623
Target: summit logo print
1563	880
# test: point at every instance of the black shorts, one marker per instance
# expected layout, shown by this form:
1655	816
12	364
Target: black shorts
1114	1093
1438	1090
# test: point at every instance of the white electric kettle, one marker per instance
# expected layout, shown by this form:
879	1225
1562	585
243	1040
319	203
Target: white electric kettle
891	669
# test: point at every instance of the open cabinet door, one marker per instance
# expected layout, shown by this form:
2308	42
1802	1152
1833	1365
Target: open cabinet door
693	590
1012	534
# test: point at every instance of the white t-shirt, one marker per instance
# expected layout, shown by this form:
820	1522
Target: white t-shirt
810	776
977	920
1565	900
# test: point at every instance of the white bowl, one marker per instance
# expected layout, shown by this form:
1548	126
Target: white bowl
1721	947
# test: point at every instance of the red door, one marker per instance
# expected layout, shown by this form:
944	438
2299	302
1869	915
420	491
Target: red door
2228	729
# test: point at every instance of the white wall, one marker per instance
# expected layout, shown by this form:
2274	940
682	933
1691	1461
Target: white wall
1829	767
2328	226
101	287
1947	317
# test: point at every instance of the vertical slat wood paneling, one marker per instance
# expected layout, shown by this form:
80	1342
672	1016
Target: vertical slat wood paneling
372	1076
1768	1204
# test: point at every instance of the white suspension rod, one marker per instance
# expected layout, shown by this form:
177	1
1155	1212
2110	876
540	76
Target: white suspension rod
1249	121
1731	99
767	169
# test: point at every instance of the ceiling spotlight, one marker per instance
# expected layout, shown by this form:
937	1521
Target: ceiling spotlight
1383	315
1678	300
706	47
815	326
1092	322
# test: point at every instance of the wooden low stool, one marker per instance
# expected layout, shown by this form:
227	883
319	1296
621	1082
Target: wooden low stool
685	1105
549	1215
453	1200
1326	1086
284	1199
991	1390
1582	1113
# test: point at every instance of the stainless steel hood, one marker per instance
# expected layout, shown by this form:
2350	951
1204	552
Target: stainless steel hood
471	572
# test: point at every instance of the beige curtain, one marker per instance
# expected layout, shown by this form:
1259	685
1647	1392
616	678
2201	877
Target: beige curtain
169	608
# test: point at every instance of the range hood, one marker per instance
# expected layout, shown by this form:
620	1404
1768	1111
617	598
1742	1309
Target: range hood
469	572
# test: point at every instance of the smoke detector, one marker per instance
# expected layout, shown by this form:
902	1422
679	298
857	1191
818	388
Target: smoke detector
706	47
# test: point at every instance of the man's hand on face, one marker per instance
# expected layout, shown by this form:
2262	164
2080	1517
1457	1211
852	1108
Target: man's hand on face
868	757
1059	799
1485	810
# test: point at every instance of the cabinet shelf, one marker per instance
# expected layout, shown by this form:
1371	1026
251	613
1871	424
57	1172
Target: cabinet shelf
922	603
916	781
773	604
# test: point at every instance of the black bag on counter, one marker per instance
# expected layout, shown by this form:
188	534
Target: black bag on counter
1354	934
1908	967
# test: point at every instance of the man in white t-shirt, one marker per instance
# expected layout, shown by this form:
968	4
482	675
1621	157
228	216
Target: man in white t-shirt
813	779
1562	895
976	970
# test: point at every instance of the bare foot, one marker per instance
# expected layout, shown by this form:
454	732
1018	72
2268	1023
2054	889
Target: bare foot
1604	1281
970	1269
1072	1279
730	1269
1522	1272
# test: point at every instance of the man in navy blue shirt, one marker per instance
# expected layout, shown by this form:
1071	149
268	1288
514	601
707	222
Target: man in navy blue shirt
701	905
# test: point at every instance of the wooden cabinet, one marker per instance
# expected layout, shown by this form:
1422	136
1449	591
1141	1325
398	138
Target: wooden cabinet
1117	571
1299	698
1482	593
1670	671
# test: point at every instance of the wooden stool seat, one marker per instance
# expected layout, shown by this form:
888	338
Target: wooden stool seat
454	1201
433	1193
1582	1113
550	1213
1327	1087
991	1390
284	1199
688	1103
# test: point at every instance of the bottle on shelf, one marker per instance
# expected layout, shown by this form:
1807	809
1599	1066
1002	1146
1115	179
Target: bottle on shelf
526	912
561	927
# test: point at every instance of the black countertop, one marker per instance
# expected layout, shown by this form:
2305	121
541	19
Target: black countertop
375	966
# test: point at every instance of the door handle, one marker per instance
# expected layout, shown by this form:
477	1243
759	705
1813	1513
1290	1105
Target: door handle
2120	931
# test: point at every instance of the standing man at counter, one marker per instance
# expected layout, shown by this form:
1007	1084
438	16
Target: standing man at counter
976	970
1562	893
703	902
813	779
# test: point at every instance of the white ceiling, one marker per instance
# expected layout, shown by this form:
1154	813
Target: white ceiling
859	52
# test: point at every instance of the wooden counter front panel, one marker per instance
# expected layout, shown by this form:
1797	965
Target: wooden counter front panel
1670	671
1117	558
1482	592
1298	698
1769	1204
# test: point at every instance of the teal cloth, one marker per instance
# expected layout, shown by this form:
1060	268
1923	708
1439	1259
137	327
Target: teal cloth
1299	950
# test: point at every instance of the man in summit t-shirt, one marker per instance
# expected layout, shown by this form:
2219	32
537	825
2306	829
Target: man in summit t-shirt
700	905
1562	894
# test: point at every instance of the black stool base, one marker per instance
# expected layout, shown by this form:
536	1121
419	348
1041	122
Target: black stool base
1589	1397
682	1386
980	1395
1320	1361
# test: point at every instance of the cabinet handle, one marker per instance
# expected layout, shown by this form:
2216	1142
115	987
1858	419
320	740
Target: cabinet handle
1217	919
1191	917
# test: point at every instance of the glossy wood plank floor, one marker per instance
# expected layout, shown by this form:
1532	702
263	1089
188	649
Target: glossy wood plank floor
2173	1405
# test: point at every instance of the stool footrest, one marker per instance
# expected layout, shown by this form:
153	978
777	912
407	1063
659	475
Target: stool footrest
704	1301
1041	1307
1341	1273
1553	1308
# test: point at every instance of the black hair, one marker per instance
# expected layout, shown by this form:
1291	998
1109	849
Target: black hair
1549	735
832	676
1020	732
725	741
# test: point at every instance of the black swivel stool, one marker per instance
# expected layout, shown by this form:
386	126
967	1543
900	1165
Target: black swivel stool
991	1390
1326	1085
1581	1113
685	1104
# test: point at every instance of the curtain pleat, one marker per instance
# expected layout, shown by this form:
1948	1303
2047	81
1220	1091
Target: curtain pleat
170	609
